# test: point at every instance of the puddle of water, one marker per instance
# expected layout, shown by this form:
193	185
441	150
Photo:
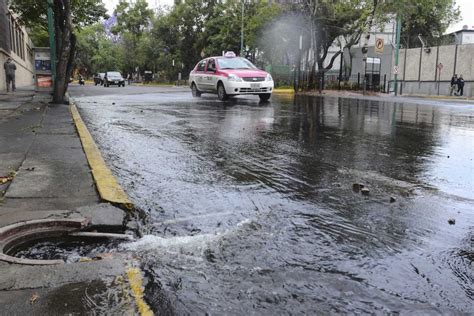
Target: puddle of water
308	243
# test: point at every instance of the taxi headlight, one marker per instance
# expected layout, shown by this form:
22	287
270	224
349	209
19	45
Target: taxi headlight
269	78
233	77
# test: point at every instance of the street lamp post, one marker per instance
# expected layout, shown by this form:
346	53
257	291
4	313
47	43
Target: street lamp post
242	31
397	52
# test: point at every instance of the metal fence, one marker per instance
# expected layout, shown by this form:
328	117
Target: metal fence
284	75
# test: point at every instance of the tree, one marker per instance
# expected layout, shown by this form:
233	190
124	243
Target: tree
223	26
428	18
133	24
328	21
68	16
326	24
96	52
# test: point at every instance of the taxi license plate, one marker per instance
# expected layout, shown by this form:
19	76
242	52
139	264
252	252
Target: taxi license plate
254	85
116	81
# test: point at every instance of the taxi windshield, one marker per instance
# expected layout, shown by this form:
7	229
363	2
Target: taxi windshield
235	63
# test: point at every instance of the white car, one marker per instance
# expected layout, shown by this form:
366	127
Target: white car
229	76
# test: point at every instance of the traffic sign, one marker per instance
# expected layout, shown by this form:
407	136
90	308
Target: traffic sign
379	45
395	70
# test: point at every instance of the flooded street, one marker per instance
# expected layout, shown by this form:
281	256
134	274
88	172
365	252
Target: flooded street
258	208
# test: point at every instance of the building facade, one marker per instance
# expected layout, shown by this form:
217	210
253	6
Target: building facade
15	43
464	36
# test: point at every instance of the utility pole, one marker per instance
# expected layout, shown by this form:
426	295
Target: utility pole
52	46
242	32
365	50
397	51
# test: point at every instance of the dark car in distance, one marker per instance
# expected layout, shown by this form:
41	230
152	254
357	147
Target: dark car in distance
113	78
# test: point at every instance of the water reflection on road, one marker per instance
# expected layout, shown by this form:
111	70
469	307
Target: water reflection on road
252	208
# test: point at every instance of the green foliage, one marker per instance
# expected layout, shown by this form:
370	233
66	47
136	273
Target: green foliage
133	19
429	18
96	52
33	13
271	31
39	36
223	28
133	24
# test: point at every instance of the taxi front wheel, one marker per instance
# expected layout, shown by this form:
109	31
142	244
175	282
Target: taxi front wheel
221	94
196	93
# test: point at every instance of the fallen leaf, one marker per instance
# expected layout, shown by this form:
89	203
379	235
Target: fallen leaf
85	259
34	298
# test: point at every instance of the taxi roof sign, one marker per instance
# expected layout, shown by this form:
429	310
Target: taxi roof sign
229	54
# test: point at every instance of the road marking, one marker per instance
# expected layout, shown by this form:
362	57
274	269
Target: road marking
136	285
107	185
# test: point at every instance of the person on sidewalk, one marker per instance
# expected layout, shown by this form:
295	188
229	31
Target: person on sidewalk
10	68
454	83
460	85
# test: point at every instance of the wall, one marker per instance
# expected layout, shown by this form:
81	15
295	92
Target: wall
15	43
417	68
4	26
420	75
385	66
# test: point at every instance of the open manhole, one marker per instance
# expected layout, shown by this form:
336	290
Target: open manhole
42	242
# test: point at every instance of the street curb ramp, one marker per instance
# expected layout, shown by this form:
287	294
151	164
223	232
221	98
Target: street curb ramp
107	185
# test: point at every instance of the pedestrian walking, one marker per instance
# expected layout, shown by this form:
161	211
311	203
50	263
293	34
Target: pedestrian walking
129	79
10	68
460	85
454	84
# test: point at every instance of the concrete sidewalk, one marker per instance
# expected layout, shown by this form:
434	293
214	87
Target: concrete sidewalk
40	147
392	98
44	174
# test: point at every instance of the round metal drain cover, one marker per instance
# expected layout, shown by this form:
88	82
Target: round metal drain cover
52	241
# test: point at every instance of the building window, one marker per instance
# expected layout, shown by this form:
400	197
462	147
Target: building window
12	33
17	38
22	45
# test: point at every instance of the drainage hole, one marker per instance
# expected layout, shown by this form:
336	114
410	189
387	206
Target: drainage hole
67	248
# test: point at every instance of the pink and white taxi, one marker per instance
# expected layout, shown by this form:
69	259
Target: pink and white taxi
229	76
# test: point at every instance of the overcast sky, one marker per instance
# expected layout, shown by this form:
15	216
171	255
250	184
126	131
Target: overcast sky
467	9
467	17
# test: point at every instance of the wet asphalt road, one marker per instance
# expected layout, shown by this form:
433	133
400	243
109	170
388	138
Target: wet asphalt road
251	207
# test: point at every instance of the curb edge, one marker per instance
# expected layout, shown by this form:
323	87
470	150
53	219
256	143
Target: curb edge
106	183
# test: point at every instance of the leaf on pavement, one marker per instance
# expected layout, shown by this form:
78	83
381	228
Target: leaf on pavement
34	298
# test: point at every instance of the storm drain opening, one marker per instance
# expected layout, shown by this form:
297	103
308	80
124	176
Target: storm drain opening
67	248
45	242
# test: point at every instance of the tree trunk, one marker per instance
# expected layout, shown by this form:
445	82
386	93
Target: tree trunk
70	64
63	26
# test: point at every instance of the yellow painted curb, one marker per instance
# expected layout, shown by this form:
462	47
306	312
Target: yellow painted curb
284	91
136	285
108	187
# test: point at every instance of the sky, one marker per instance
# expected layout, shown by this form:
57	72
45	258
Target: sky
467	18
467	7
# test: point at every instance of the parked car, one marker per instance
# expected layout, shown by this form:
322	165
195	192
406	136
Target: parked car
113	78
229	76
99	78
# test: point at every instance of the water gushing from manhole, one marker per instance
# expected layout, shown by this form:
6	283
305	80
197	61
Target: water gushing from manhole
43	242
